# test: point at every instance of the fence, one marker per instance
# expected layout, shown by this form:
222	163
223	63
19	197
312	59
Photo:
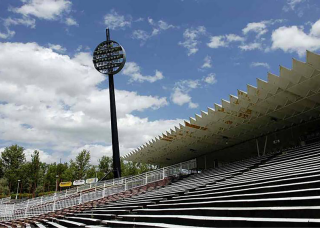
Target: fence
5	200
43	205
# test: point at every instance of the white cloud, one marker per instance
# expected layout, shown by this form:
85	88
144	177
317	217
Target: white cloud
57	48
139	19
132	70
207	62
155	32
157	28
180	98
223	41
291	5
140	35
96	152
258	64
164	25
251	46
217	41
26	21
44	9
294	39
315	29
180	94
193	84
51	101
234	38
193	105
9	34
150	21
257	27
161	25
71	22
44	156
191	39
114	21
260	28
134	131
210	79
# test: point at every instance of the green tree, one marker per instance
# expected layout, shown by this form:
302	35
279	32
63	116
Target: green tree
1	168
12	159
69	173
82	164
50	177
34	171
4	188
131	168
91	172
105	165
25	177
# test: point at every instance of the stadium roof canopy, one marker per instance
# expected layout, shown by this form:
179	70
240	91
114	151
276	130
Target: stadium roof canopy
280	102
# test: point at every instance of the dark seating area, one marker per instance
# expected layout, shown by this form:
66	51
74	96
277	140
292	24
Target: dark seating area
276	190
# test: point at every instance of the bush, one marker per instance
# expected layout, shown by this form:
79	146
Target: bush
39	189
45	193
4	188
21	196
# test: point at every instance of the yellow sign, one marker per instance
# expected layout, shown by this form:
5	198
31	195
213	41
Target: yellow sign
91	180
65	184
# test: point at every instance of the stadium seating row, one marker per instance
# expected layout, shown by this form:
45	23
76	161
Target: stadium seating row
280	189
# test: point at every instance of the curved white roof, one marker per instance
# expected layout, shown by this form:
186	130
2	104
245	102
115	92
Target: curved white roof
282	101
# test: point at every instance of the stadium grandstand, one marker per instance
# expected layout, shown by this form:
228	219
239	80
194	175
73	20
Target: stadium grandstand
252	161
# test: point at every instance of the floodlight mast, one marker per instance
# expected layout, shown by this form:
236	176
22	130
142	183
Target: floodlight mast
109	58
114	125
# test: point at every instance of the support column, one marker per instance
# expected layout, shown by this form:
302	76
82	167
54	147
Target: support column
80	198
54	202
258	147
265	145
26	211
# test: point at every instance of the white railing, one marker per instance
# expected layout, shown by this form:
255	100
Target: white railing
43	205
5	200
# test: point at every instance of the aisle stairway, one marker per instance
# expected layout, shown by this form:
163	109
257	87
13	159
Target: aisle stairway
280	189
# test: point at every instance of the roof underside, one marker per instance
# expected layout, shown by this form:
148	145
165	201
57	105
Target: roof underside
282	101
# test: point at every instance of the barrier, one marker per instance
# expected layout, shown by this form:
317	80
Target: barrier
58	201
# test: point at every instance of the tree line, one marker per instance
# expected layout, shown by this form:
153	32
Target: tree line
38	178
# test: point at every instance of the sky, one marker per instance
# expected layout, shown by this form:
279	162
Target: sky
182	57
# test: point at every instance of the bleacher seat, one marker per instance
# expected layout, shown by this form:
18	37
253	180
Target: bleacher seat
276	190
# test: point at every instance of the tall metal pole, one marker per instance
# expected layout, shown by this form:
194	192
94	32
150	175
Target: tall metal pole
114	127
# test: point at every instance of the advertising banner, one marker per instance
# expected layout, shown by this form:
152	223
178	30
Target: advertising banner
79	182
91	180
65	184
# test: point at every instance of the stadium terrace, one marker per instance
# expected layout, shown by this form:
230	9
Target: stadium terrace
252	161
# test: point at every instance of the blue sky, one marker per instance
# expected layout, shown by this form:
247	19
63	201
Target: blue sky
182	57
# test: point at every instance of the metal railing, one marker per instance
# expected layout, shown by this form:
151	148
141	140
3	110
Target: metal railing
5	200
43	205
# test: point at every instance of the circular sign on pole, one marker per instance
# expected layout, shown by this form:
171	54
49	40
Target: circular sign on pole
109	57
